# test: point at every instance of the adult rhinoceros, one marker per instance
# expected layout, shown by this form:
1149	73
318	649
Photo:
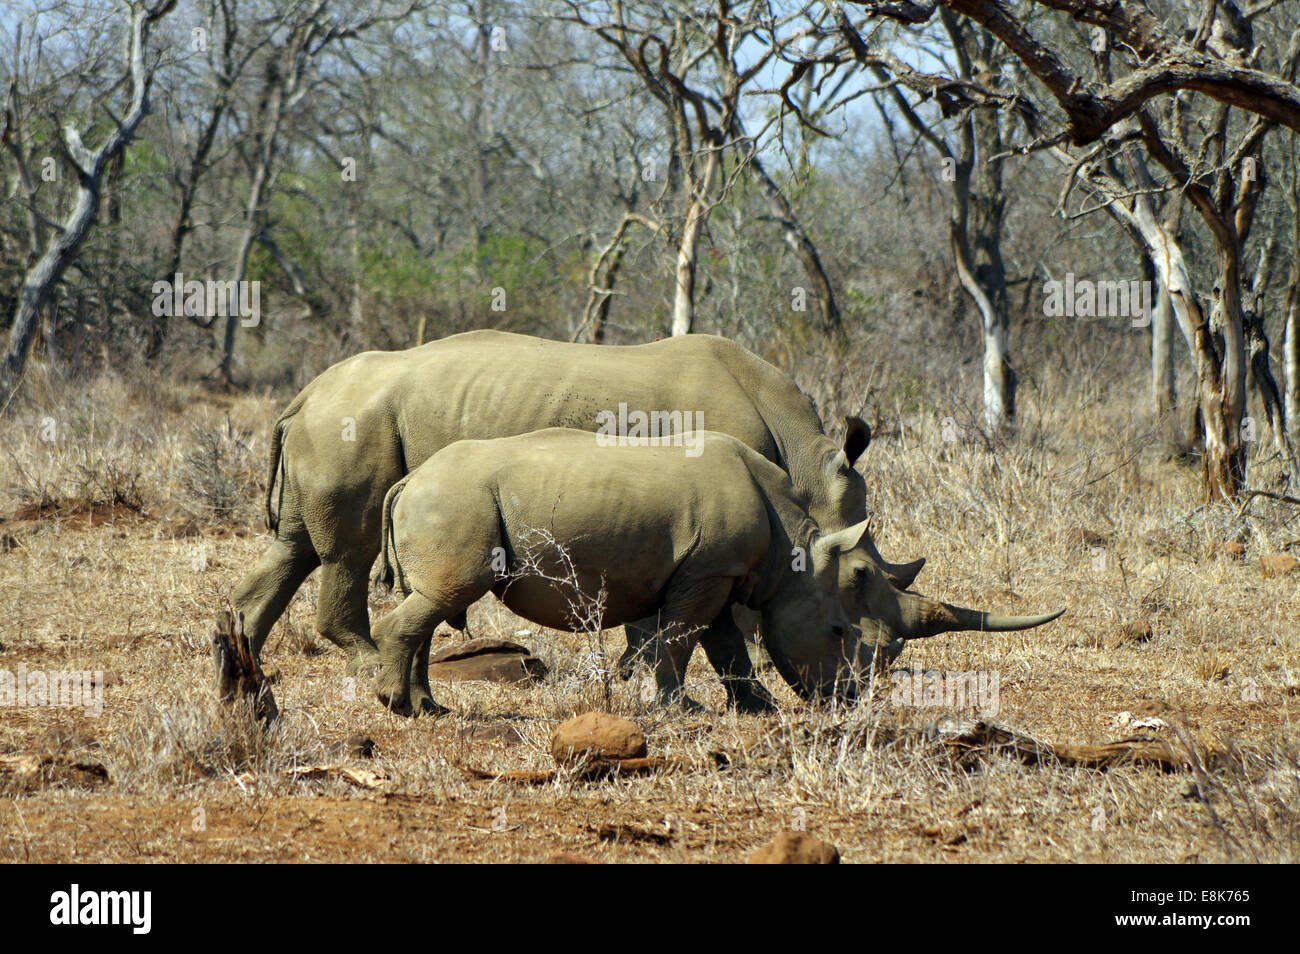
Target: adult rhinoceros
556	523
369	420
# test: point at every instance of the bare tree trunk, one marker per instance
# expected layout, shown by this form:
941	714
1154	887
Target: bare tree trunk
1291	361
278	87
688	246
89	168
1164	394
356	312
603	276
1291	306
999	376
252	218
198	166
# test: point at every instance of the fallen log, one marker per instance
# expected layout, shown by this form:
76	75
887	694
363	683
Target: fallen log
963	738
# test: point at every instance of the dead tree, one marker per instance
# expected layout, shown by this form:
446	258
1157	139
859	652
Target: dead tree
89	166
691	64
1129	114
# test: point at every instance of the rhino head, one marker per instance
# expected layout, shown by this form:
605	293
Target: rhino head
820	659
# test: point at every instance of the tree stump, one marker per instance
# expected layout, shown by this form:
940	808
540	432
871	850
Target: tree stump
240	680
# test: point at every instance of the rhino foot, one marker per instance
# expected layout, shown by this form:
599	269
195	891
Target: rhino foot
752	699
626	666
392	695
363	662
422	704
426	707
678	699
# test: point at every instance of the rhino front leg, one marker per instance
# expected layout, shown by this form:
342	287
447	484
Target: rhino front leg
689	609
672	651
724	644
403	636
342	614
640	647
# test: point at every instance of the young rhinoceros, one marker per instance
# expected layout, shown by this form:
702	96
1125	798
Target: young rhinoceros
654	531
554	523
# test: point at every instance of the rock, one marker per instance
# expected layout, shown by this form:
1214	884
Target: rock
1275	564
795	848
1229	548
486	660
599	734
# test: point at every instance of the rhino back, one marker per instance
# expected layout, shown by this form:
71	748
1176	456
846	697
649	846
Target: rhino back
627	518
487	384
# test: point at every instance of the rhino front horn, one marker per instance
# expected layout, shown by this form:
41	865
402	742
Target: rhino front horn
924	617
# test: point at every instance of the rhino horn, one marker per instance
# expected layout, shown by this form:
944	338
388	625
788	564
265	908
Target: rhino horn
901	575
922	617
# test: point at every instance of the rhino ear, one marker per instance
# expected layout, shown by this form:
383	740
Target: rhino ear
856	438
842	541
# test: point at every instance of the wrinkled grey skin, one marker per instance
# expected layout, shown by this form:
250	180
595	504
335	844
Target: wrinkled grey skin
656	534
366	422
661	535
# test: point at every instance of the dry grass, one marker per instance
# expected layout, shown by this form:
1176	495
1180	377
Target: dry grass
126	546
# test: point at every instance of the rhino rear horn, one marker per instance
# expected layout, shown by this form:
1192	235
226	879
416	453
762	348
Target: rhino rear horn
901	575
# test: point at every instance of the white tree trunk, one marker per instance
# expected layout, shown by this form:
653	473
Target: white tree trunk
1164	395
1291	362
688	248
995	376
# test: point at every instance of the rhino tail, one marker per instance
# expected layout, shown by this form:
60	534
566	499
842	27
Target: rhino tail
276	467
388	572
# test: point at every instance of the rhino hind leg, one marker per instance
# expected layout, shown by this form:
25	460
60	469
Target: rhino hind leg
342	613
403	638
422	702
667	657
672	653
264	593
